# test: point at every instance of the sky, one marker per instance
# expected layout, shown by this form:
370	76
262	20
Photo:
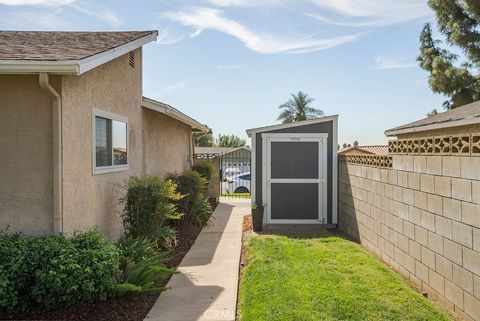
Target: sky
231	63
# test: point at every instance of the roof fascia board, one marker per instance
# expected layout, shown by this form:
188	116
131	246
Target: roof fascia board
89	63
456	123
173	113
72	67
291	125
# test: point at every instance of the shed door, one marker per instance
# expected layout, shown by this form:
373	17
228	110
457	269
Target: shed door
296	172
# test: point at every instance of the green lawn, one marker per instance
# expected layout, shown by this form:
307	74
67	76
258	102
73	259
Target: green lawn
236	195
294	279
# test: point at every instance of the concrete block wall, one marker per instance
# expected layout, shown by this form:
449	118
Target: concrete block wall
422	217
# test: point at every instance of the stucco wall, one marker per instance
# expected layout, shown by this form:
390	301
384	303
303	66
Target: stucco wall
90	199
422	217
166	142
26	183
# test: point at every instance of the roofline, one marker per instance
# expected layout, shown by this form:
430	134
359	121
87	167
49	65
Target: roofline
446	124
73	67
290	125
347	149
174	113
236	149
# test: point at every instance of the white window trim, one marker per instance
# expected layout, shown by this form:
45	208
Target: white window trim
107	169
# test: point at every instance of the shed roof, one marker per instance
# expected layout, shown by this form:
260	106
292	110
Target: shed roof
291	125
65	51
464	115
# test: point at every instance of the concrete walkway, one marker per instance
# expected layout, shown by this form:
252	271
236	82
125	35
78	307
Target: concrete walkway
206	286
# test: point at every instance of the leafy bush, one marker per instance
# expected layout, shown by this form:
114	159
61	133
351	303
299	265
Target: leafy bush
56	271
142	266
205	169
193	205
148	205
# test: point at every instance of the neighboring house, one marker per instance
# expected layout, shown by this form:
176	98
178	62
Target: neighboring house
230	157
74	125
294	171
364	150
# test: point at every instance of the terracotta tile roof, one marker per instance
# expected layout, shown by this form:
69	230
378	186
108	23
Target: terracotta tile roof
62	45
372	149
470	112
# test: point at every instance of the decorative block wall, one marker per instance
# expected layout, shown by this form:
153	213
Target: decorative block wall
421	216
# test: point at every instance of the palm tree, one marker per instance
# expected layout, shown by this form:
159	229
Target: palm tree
298	108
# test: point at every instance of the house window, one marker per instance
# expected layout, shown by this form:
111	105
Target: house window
110	135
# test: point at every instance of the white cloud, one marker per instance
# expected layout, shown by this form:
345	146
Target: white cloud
166	37
392	63
169	89
378	12
231	66
206	18
36	2
97	11
246	3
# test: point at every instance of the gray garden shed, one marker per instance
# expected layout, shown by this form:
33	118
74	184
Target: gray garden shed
294	171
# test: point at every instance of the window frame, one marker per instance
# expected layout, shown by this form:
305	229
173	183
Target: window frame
113	168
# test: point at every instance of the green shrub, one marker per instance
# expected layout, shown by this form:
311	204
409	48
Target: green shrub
148	205
205	169
55	271
142	266
193	205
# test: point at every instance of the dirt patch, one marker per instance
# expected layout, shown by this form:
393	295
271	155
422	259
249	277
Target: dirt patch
247	223
128	308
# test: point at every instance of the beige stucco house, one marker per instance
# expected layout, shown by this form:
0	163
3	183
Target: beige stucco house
74	125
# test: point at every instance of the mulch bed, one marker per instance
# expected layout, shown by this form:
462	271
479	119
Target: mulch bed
247	223
129	308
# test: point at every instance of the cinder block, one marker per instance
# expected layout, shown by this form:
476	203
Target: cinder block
452	251
462	278
476	239
436	281
462	189
435	204
409	230
421	271
409	262
414	249
454	294
414	181
421	235
471	260
427	183
451	166
452	209
471	214
476	286
471	306
443	266
443	226
435	242
419	164
408	196
415	215
428	257
470	167
421	200
462	234
403	179
428	220
434	165
443	186
476	192
393	177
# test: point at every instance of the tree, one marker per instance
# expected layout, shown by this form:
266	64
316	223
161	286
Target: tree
203	139
355	143
230	141
459	21
298	108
